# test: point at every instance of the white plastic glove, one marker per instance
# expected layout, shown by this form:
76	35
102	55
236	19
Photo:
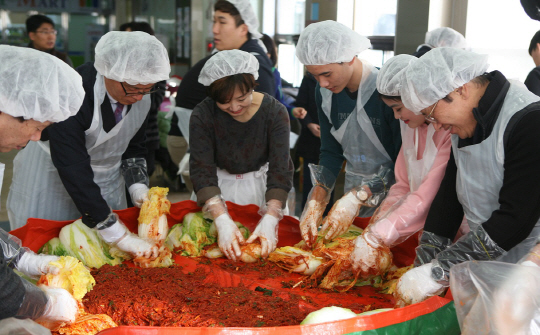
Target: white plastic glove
34	265
229	236
370	257
342	214
266	232
119	235
138	193
416	285
61	306
309	222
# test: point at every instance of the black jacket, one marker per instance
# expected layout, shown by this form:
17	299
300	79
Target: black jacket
60	55
70	157
533	80
520	193
308	145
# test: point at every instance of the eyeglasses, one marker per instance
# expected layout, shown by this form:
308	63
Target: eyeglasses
47	32
132	94
430	118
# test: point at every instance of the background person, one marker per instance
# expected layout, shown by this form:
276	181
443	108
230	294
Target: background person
88	159
36	90
42	35
356	127
419	170
442	37
240	150
491	176
533	78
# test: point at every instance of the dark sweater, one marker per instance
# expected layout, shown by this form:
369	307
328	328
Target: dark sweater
217	140
191	92
520	193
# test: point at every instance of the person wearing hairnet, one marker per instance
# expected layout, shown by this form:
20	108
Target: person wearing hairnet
78	165
30	101
235	26
356	126
419	170
441	37
492	174
240	150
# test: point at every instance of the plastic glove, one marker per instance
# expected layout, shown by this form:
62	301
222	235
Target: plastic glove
319	196
343	212
138	193
61	306
229	236
34	265
117	234
516	307
370	257
266	232
416	285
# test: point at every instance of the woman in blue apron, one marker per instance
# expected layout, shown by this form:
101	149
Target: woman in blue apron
492	175
239	142
356	127
419	170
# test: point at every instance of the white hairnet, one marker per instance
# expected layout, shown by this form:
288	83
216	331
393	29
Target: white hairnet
329	42
446	37
132	57
36	85
389	77
437	73
248	15
226	63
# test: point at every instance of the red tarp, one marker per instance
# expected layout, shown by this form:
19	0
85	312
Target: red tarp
37	232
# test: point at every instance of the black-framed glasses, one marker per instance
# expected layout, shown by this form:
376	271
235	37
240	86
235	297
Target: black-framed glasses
132	94
47	32
429	117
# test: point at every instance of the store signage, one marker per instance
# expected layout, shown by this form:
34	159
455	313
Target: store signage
71	6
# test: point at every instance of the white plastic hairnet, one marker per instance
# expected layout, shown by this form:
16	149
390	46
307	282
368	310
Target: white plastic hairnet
36	85
437	73
226	63
329	42
248	15
132	57
446	37
389	77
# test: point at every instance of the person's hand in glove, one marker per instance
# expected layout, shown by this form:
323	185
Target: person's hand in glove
229	236
138	193
342	214
267	229
312	215
117	234
416	285
370	257
61	306
34	265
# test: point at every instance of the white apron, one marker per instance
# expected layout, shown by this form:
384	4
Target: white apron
417	169
481	170
36	189
362	149
244	189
